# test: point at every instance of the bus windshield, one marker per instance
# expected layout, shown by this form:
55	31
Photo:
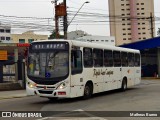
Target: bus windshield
48	64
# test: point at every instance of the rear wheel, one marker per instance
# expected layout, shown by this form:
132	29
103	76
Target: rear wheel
88	90
124	85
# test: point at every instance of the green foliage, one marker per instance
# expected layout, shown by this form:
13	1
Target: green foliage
53	35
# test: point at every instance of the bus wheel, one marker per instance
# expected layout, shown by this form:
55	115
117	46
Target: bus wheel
52	98
88	90
124	85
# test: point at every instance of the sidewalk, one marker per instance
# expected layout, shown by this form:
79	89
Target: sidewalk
12	94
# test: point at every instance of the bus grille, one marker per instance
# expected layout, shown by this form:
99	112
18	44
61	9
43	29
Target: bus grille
45	92
46	87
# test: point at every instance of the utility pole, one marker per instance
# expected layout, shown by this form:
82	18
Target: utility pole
56	21
152	32
60	11
65	22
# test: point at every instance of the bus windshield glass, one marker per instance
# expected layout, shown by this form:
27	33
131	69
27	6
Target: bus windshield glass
48	63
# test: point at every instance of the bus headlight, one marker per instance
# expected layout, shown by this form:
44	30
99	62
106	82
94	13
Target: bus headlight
32	84
62	85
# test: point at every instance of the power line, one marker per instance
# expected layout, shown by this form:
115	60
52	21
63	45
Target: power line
8	1
83	18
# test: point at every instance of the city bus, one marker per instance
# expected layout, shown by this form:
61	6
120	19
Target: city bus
70	68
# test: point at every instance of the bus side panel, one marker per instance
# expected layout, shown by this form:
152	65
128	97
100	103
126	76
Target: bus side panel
117	77
124	74
78	81
131	75
108	78
129	72
77	85
94	75
137	75
98	79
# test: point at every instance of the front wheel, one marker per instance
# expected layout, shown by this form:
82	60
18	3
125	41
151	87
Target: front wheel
88	90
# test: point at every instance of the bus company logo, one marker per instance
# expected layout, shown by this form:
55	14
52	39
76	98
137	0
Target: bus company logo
45	87
102	72
109	73
21	114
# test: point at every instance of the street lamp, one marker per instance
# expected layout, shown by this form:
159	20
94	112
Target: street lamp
77	12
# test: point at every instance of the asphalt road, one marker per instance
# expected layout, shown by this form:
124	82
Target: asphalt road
143	97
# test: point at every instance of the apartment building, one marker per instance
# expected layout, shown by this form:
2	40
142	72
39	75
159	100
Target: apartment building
131	20
5	33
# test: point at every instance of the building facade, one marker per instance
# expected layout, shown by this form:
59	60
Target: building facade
27	37
131	20
107	40
5	33
76	34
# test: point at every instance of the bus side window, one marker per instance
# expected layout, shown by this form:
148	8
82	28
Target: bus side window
131	59
98	57
117	58
124	57
137	60
76	61
87	57
108	58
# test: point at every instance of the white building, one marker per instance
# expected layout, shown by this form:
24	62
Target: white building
76	34
5	33
108	40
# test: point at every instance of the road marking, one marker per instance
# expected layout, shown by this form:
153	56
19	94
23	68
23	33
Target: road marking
71	118
89	116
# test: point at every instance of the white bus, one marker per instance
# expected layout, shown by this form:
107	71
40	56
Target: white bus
68	69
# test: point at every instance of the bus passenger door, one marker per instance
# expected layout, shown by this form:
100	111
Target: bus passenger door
76	73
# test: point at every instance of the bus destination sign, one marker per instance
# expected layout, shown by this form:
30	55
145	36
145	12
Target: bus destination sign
47	46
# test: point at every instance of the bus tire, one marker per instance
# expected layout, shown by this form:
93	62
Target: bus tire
124	85
88	90
52	98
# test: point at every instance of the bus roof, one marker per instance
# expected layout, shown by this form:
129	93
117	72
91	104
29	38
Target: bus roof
92	45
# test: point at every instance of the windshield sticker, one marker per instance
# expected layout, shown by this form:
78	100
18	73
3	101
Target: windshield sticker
48	75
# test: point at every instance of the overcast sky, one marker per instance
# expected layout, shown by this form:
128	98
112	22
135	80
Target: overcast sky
45	9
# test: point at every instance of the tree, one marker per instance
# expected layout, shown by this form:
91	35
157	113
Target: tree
53	35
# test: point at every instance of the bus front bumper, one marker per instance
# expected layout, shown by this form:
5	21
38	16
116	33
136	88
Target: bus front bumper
64	93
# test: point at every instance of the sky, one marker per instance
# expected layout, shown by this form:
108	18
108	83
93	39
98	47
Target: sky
45	9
